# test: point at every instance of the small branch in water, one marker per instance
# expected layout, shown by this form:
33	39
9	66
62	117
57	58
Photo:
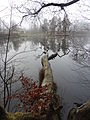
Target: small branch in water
56	54
52	56
64	54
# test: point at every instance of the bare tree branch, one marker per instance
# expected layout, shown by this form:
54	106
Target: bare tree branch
11	76
19	54
3	9
62	5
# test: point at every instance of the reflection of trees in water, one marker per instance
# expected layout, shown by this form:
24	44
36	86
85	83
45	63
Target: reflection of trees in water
55	43
3	46
64	45
79	52
44	42
2	41
16	44
35	39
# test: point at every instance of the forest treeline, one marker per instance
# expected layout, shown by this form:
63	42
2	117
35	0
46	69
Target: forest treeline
54	26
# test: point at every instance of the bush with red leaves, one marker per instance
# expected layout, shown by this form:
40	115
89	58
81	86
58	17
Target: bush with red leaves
33	97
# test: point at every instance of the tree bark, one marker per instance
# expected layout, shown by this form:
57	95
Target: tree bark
80	113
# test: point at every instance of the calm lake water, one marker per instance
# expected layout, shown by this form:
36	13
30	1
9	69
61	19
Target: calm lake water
71	72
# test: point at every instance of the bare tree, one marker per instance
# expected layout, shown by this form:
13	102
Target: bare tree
3	72
7	69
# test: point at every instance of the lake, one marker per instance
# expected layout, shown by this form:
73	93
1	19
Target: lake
71	71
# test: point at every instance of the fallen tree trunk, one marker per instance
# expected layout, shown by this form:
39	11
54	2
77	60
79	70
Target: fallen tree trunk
48	76
53	104
80	113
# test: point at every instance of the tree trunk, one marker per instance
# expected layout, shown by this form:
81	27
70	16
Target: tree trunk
80	113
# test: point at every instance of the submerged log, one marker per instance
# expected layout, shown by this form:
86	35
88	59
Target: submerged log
80	113
48	76
53	107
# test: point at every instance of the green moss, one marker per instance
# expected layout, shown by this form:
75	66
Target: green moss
14	116
24	116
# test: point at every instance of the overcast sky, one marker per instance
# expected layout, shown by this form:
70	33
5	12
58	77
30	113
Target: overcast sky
74	11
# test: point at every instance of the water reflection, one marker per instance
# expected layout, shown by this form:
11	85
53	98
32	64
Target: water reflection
16	44
72	77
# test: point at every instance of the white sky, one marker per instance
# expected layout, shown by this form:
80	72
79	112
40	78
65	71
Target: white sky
74	11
